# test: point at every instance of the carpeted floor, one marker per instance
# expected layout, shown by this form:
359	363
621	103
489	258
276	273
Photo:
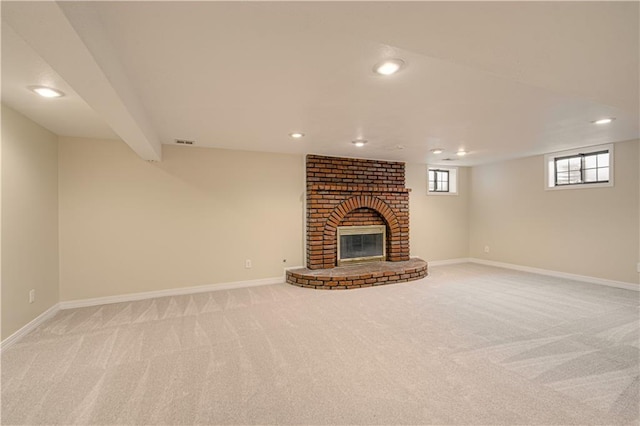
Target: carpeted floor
470	344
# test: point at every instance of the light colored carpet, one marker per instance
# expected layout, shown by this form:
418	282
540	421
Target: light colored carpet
470	344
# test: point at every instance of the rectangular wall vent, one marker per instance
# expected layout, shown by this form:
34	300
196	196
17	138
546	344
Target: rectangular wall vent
185	142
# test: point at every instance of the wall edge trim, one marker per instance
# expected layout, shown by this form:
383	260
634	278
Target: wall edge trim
79	303
29	327
558	274
131	297
449	261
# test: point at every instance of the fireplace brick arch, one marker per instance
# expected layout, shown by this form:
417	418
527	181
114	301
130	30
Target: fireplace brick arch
337	187
362	201
349	206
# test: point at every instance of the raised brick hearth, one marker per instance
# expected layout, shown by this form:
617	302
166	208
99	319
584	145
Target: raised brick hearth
357	276
355	192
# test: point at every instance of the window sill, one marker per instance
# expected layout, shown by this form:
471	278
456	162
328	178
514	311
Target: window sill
440	194
579	186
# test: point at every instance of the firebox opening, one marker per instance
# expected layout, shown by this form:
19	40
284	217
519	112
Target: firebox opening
358	244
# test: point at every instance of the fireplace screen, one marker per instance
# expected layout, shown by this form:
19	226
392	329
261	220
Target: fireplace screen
361	244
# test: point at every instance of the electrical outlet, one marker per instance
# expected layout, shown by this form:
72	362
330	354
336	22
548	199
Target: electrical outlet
638	266
486	249
32	296
247	263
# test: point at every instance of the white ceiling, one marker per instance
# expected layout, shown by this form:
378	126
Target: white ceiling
500	79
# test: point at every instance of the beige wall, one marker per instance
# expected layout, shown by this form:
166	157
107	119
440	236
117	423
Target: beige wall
439	223
88	218
29	220
591	232
129	226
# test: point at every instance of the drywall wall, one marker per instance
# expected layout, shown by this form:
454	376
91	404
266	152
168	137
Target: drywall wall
29	220
128	225
586	231
439	224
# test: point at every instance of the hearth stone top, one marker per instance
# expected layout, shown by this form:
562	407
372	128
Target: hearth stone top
362	268
359	275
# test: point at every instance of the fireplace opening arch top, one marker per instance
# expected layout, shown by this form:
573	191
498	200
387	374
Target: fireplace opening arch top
357	244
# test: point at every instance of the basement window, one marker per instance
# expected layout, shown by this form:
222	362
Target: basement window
442	180
590	167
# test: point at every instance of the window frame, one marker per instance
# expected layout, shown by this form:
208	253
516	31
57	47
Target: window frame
437	173
551	176
452	173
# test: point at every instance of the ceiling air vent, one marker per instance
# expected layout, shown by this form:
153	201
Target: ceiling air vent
185	142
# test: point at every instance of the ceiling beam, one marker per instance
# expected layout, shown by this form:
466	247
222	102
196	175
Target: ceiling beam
77	50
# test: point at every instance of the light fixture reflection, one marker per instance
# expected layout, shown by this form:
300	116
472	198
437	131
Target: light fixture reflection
388	67
46	92
604	120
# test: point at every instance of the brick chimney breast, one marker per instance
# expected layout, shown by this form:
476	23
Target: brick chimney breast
354	192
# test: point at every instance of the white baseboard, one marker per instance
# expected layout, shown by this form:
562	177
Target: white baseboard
70	304
81	303
26	329
448	261
583	278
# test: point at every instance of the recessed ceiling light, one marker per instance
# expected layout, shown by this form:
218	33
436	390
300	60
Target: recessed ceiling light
296	135
437	151
604	120
388	67
461	152
359	142
46	92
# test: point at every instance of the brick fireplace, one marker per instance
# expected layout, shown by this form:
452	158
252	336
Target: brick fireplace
348	191
344	192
